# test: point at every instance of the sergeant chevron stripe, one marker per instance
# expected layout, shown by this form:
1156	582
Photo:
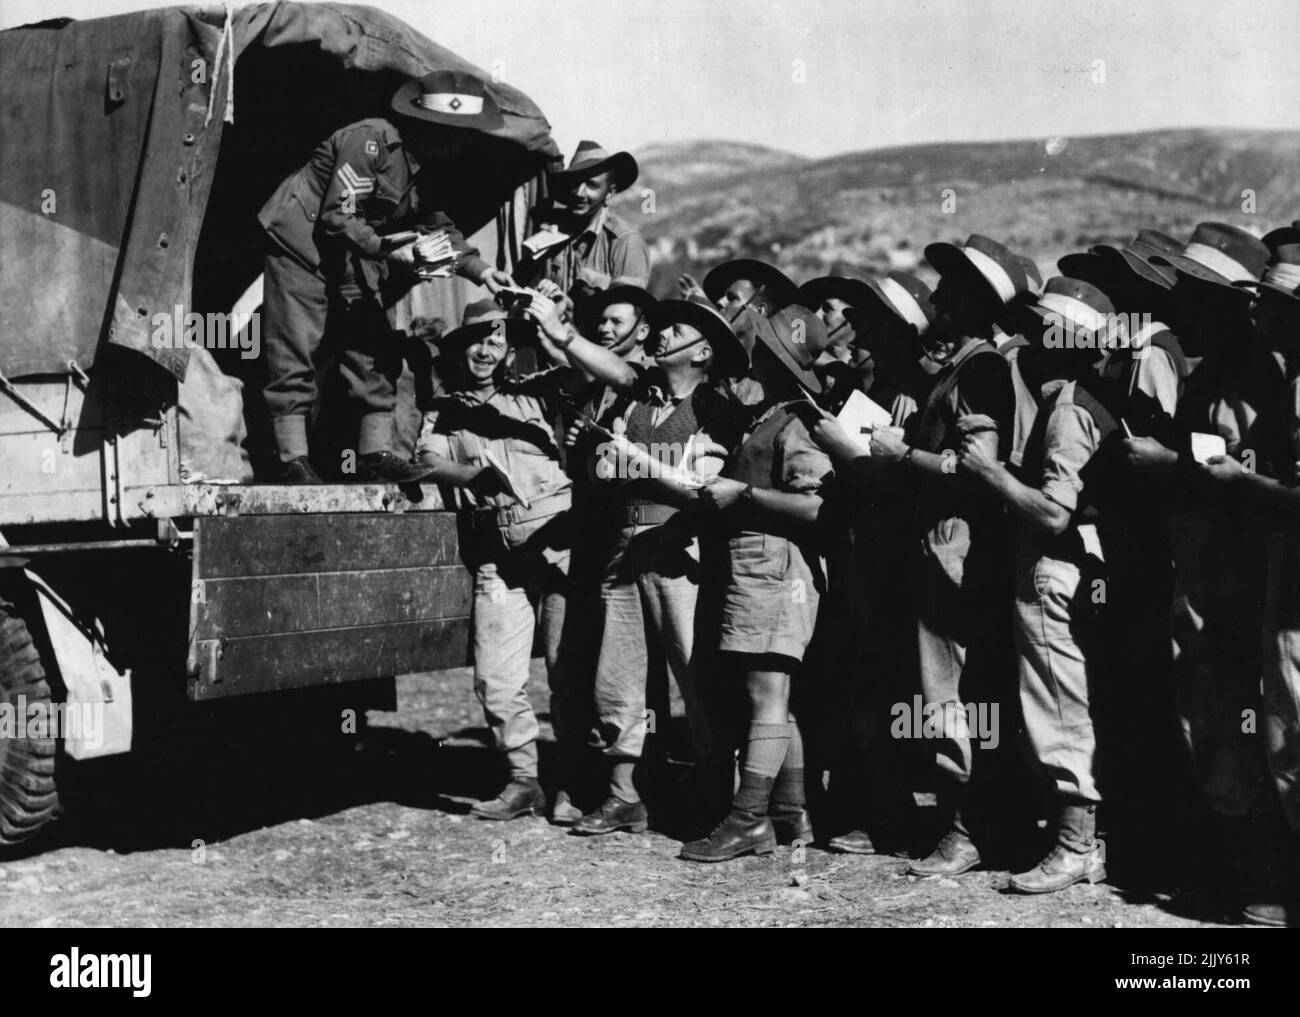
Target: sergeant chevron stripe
354	181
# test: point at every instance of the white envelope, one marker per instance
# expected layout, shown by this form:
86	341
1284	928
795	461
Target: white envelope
861	415
1206	446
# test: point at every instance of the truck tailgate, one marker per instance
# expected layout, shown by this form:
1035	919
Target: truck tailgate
289	601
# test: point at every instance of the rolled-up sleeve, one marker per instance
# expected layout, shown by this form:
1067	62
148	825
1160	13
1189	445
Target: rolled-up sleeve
1070	440
804	466
432	442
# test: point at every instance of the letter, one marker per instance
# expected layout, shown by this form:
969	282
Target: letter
934	721
161	338
117	970
899	728
918	713
142	976
193	335
7	727
89	968
218	331
68	720
1055	335
59	976
251	338
92	725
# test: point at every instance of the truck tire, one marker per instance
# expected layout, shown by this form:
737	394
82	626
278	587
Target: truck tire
28	797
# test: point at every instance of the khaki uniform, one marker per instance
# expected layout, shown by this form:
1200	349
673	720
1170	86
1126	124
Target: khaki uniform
520	558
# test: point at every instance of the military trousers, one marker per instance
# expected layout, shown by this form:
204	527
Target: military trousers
298	305
649	597
518	591
1053	614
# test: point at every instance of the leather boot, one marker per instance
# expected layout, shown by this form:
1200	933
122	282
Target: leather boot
1077	856
523	796
298	471
1264	890
956	852
563	811
614	815
855	842
791	823
739	834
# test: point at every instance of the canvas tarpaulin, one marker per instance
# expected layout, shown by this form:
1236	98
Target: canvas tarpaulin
108	154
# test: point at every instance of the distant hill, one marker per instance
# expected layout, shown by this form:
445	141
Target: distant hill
692	163
875	210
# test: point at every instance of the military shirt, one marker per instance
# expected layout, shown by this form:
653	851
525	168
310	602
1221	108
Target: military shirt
610	251
362	182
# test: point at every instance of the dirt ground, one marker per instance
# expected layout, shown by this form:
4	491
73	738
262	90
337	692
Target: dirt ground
378	835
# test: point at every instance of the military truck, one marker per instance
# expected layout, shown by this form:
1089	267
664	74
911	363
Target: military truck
138	150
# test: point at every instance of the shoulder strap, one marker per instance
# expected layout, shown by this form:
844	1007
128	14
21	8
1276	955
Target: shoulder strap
943	388
1101	416
1168	342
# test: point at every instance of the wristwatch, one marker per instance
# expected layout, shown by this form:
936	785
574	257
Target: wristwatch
747	495
908	454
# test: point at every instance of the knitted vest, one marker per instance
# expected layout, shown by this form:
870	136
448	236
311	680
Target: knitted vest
672	433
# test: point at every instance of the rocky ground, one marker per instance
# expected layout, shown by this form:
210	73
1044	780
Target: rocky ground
379	836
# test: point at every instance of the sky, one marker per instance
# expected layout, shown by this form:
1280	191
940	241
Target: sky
820	77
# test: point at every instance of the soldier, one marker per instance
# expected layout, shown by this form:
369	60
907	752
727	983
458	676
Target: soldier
1270	492
1154	361
1218	554
1059	563
520	545
1140	766
326	225
870	789
619	322
744	283
747	291
959	564
603	248
769	490
652	577
830	296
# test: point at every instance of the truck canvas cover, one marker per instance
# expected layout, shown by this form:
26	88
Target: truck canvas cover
131	170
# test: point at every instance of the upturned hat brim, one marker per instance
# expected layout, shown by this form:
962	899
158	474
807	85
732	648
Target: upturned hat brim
640	298
854	292
1188	267
760	273
1281	291
621	165
406	102
729	356
950	260
805	376
518	332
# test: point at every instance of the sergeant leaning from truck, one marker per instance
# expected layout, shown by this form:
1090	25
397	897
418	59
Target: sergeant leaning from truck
327	250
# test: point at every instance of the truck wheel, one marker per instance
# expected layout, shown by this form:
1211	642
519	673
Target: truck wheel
28	799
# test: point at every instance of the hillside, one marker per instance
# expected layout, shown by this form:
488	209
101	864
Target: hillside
875	210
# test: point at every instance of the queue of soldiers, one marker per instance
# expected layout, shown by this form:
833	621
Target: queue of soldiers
1070	510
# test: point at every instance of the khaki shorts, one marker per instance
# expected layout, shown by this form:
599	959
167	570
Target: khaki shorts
770	601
